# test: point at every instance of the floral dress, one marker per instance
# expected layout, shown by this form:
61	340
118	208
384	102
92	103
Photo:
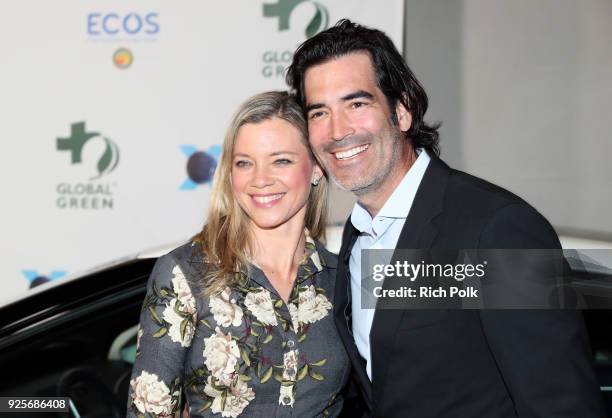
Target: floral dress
241	353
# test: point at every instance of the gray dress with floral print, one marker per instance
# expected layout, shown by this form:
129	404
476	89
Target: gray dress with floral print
243	352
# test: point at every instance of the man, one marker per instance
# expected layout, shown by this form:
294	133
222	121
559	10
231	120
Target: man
365	114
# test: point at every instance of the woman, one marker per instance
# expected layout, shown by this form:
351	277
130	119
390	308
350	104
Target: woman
239	321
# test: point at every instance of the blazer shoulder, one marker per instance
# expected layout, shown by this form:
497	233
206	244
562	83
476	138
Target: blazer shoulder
480	190
507	221
471	197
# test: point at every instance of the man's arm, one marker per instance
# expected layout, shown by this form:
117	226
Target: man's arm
543	355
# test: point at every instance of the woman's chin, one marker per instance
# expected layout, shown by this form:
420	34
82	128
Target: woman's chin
273	223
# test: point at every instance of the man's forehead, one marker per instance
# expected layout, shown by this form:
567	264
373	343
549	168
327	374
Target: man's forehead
345	71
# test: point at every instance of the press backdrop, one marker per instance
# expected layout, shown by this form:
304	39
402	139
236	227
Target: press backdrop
112	114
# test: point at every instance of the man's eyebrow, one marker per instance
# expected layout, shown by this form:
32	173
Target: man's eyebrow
313	106
358	94
355	95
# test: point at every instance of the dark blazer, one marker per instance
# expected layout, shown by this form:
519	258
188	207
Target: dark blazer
470	363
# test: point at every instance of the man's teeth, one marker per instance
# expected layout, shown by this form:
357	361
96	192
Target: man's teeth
351	152
267	199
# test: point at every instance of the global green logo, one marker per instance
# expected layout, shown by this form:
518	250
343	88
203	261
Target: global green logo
75	143
282	10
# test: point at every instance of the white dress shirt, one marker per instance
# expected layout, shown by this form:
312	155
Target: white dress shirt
382	232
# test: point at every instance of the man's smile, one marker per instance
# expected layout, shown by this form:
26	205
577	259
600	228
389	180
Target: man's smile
345	155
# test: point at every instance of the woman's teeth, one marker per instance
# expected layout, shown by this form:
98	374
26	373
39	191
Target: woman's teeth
267	199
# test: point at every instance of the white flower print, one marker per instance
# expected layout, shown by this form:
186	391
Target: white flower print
225	311
311	308
316	260
175	321
151	395
183	291
239	394
139	335
295	320
290	363
221	353
184	302
290	366
286	396
260	304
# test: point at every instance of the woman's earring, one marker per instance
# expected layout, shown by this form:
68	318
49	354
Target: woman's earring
315	182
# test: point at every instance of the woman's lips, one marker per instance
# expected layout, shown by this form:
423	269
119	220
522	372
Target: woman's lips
266	200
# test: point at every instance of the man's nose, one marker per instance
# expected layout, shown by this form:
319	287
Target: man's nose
340	126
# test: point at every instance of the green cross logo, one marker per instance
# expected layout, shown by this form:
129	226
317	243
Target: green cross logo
282	9
76	142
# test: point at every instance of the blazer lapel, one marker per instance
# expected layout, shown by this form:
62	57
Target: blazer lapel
418	233
342	310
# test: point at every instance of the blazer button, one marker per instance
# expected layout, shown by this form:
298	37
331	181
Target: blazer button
290	343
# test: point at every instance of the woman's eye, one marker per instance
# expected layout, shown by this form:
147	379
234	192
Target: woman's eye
283	161
241	163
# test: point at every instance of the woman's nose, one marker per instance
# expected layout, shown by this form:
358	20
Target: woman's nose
262	177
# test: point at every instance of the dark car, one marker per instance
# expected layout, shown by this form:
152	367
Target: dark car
77	338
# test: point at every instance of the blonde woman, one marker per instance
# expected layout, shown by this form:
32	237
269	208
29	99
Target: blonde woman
239	321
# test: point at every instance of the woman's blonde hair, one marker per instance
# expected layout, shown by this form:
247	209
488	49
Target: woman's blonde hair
225	239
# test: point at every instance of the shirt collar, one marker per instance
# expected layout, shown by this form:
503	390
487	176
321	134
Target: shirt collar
399	203
311	253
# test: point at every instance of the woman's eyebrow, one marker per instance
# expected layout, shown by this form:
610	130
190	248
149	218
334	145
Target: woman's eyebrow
283	152
272	154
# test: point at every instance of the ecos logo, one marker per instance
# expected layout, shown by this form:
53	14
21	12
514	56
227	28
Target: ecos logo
275	62
122	25
123	58
97	149
282	10
201	165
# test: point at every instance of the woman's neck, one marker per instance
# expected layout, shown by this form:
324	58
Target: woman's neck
278	252
280	247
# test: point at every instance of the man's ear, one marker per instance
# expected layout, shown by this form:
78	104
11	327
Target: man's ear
404	118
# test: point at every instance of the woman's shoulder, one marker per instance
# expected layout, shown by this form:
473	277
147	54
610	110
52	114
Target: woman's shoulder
188	253
186	260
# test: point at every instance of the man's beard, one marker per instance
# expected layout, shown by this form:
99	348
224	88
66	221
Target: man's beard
364	186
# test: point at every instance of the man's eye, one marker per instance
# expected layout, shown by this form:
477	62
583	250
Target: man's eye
316	115
283	161
356	105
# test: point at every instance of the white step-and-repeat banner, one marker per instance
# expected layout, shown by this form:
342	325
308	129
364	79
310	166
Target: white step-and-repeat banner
112	114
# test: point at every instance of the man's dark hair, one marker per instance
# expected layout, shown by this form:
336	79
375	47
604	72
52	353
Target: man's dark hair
393	76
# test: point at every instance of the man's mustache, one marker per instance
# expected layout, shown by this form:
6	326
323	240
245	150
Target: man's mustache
348	142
